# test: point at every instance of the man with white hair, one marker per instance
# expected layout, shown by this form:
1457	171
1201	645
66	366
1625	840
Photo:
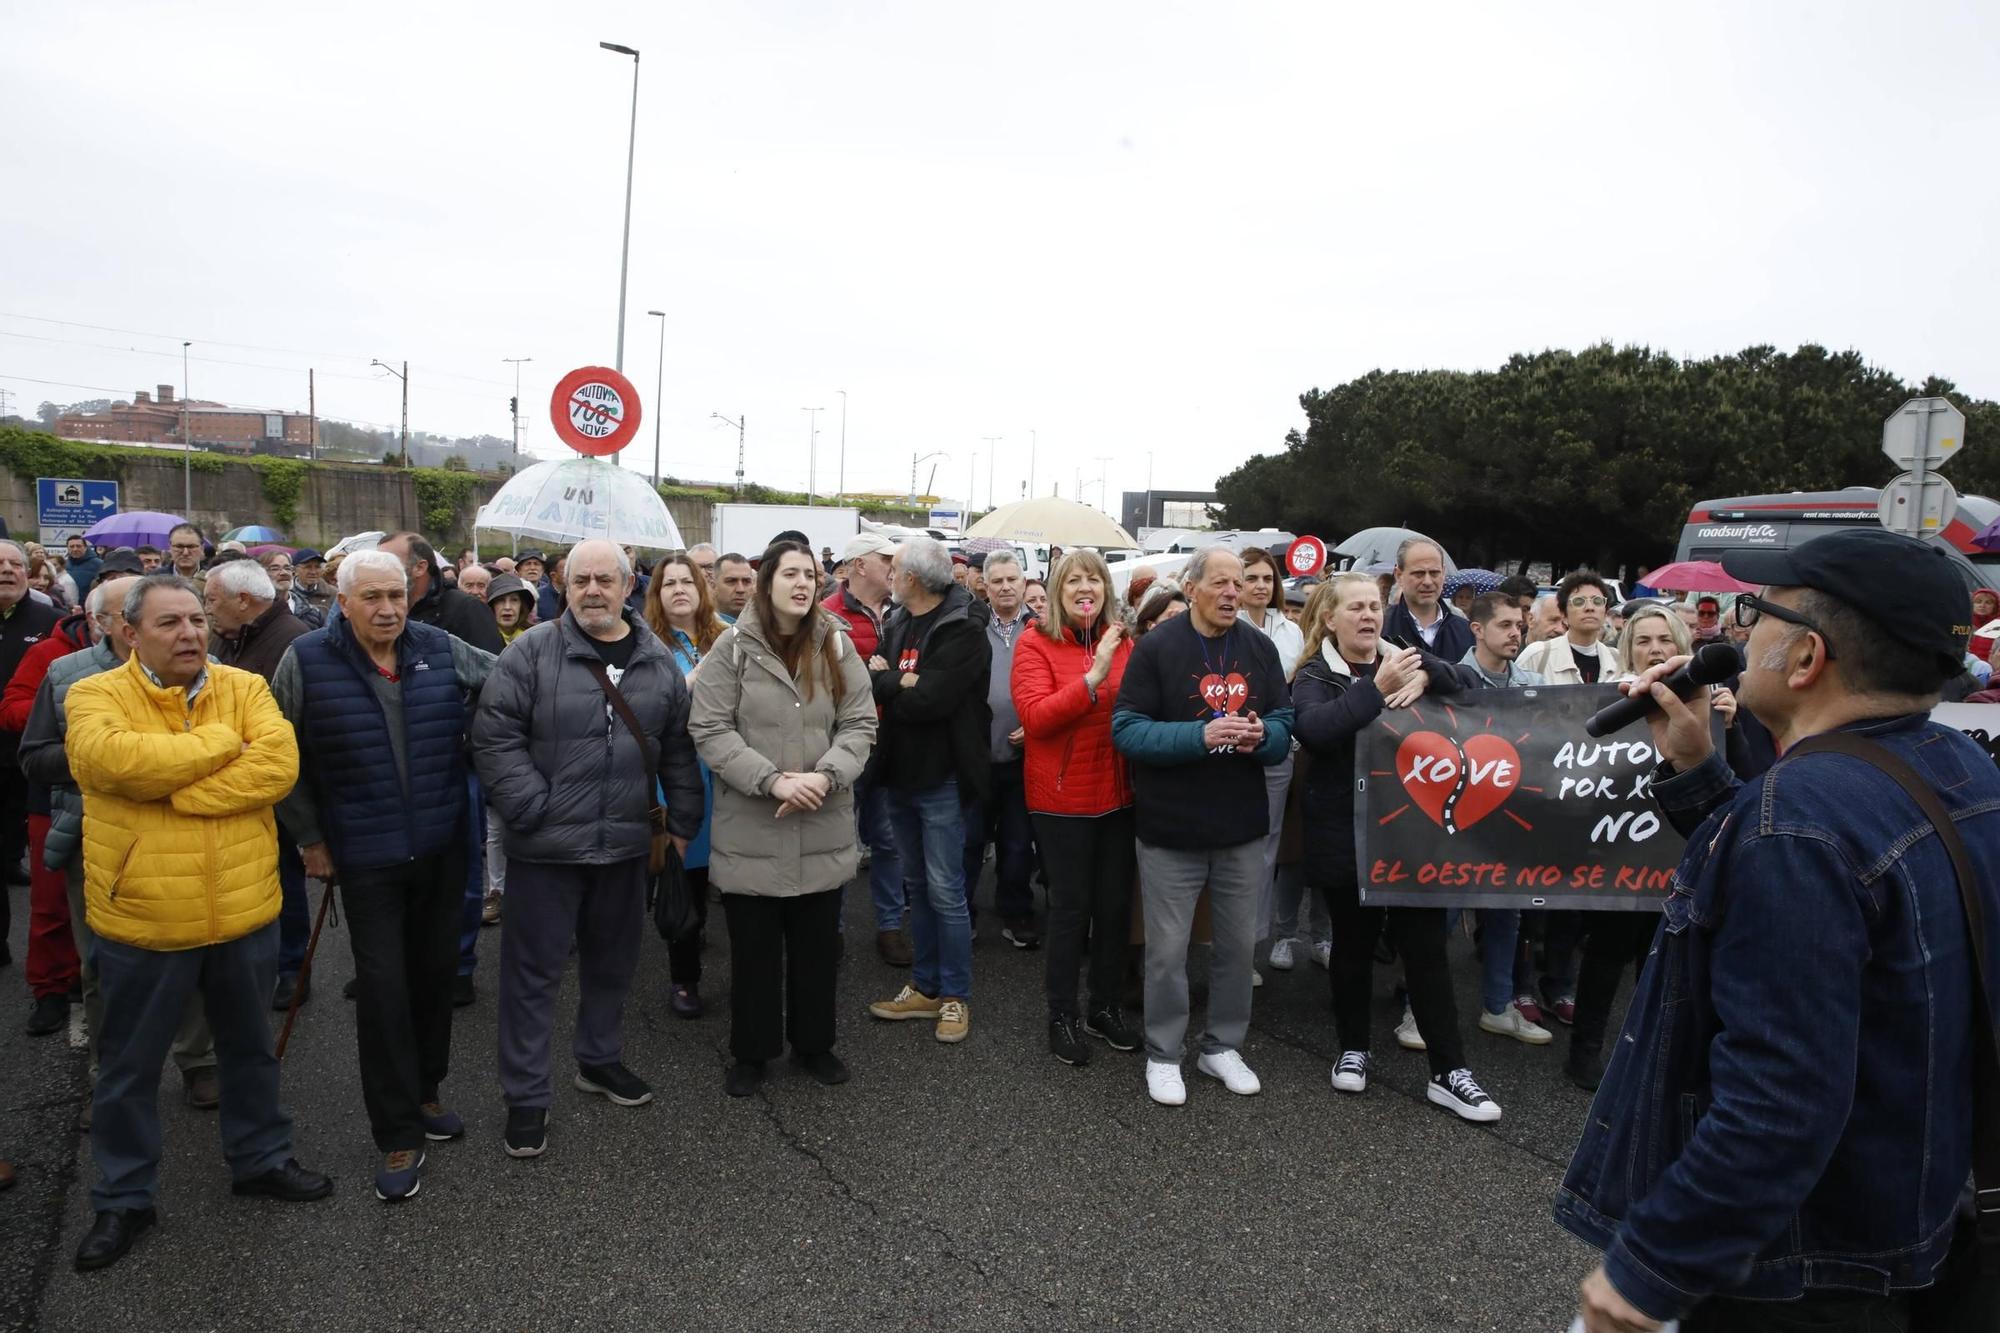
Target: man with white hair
252	629
704	557
379	703
579	717
474	580
1545	620
24	622
933	756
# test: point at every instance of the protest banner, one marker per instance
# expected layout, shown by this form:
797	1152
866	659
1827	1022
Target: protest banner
1498	798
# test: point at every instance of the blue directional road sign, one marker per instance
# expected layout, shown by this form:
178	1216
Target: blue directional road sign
71	504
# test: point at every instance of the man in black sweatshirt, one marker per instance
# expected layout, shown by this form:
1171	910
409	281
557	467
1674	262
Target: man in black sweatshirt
1203	710
931	758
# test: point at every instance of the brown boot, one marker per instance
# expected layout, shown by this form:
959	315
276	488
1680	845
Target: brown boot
202	1088
894	947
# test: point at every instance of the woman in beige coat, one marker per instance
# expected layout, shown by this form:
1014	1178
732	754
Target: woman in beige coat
784	719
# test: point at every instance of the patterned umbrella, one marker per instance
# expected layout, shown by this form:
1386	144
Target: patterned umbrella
1481	581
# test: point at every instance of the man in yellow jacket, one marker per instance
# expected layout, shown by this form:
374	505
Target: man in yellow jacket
180	762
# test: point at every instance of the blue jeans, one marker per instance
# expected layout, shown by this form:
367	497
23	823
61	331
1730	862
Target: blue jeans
145	993
885	863
930	834
294	908
469	912
1499	931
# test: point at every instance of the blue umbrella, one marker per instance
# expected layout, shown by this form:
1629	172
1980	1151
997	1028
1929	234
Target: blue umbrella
1481	581
253	534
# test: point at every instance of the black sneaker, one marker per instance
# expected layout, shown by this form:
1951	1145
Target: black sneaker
1066	1041
1108	1026
462	993
50	1014
527	1131
289	1182
825	1067
1459	1093
615	1083
1020	932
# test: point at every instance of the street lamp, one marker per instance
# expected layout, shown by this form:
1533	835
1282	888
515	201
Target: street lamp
631	149
812	448
659	387
842	482
404	376
992	452
187	443
914	461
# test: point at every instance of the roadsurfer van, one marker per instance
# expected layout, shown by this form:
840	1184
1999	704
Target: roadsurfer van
1715	527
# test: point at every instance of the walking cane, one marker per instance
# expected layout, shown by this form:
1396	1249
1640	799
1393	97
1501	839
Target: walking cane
305	968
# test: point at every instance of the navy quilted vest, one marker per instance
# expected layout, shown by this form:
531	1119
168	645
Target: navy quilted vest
367	821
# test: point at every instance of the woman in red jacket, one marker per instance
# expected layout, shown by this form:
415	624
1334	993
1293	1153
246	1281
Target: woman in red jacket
1067	669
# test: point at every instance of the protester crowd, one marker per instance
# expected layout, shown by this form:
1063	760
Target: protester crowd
552	743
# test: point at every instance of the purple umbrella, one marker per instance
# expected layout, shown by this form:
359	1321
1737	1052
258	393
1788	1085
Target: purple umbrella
1988	537
138	527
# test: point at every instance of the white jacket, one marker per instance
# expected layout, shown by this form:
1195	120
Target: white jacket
1286	637
1555	660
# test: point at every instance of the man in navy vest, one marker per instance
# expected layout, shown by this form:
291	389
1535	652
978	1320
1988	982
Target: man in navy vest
379	702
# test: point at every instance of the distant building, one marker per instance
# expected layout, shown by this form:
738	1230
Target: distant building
155	418
1167	509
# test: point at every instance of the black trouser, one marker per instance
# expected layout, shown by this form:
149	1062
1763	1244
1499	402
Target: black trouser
1820	1312
1002	819
13	833
1611	940
783	954
403	923
1565	929
1092	862
1418	934
684	956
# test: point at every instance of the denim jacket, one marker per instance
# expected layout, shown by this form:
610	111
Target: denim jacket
1789	1107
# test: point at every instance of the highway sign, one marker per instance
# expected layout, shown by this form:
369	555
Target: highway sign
1918	504
71	504
595	410
1923	433
946	520
1307	556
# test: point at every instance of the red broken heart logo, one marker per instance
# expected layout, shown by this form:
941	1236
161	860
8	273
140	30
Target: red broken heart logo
1225	694
1458	785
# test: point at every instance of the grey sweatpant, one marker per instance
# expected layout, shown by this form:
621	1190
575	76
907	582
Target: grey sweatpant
1170	883
603	909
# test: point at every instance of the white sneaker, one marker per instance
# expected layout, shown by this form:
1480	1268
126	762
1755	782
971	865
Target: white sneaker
1323	953
1235	1075
1281	956
1256	978
1459	1093
1407	1035
1164	1084
1351	1074
1511	1022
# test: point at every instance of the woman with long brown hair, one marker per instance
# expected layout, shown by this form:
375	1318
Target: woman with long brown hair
784	716
680	610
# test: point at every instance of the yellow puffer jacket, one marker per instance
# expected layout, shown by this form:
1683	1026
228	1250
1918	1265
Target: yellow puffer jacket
180	849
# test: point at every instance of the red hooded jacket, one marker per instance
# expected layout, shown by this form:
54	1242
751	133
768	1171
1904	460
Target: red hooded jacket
18	700
1070	766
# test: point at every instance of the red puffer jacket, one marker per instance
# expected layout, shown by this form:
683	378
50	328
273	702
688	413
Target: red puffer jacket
1071	767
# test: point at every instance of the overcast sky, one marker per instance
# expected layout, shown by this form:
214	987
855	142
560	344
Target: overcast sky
1136	229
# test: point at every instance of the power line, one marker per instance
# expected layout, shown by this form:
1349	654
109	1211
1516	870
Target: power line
245	407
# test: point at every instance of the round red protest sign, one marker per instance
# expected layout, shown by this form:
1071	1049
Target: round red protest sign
595	410
1307	556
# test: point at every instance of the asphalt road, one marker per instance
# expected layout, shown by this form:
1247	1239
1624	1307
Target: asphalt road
982	1186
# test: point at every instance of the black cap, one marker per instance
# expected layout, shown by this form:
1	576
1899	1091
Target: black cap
305	555
529	555
124	560
1912	590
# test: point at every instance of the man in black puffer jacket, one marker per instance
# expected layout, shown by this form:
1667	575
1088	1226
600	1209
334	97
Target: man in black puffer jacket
932	757
572	785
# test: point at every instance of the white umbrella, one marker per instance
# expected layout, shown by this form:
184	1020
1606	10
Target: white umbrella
575	499
1048	520
360	541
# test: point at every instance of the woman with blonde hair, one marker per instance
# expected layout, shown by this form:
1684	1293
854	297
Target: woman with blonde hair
784	715
1066	676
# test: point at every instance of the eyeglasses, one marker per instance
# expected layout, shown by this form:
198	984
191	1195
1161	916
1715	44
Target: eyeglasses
1749	607
1588	601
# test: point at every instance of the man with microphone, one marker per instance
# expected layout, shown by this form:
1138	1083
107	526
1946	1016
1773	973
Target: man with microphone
1785	1132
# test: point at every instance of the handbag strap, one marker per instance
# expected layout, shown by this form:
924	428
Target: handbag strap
1986	1044
624	710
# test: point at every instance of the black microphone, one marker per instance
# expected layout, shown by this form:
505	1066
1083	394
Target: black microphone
1711	665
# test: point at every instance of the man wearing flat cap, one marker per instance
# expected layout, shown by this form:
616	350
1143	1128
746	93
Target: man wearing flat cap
1787	1131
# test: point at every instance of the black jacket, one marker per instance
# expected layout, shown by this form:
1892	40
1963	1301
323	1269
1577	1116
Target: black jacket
460	614
1454	636
1330	708
260	645
937	729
